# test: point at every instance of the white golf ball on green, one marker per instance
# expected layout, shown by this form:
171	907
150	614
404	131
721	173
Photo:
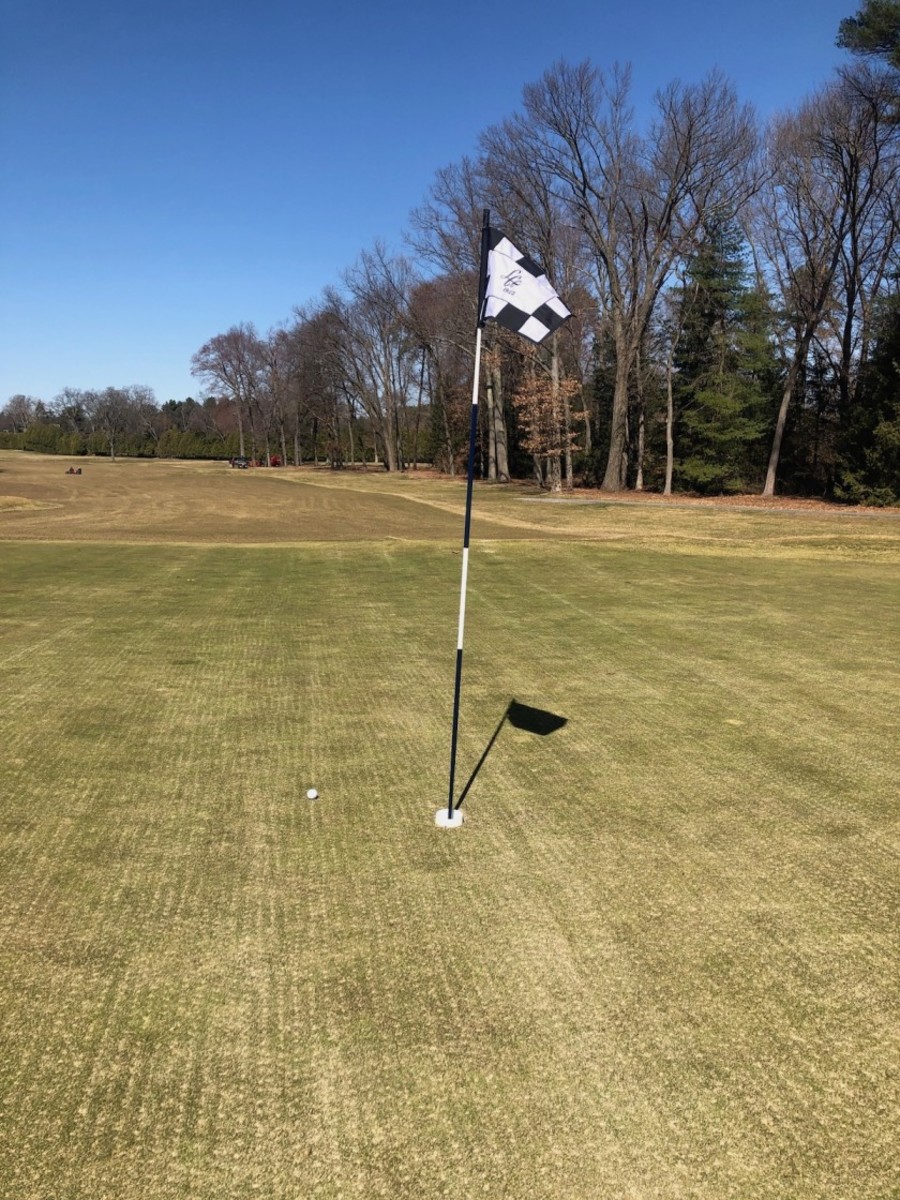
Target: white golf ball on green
312	794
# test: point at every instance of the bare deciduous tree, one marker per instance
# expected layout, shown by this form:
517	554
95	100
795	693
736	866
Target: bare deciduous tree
862	144
522	195
542	403
376	349
440	318
827	225
640	200
18	413
115	412
318	388
447	234
232	364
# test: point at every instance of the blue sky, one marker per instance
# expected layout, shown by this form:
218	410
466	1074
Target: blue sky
172	168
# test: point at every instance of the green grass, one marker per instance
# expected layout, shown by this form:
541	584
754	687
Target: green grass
660	958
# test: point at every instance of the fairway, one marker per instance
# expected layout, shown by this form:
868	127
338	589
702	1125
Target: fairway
659	959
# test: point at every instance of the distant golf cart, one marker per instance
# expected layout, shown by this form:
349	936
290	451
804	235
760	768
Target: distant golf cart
240	462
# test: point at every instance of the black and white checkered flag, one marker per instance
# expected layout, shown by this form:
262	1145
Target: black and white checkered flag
518	295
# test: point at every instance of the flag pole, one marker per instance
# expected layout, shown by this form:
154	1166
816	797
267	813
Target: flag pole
447	818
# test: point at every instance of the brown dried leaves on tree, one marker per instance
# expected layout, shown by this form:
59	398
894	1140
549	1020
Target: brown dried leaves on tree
542	402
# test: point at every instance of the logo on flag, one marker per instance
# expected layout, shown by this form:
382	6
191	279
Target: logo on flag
518	294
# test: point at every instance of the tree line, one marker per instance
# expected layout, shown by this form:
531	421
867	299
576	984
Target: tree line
735	291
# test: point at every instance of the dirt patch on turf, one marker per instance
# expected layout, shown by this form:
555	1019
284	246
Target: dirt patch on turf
14	503
744	501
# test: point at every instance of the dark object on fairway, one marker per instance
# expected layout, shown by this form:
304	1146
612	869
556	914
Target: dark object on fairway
533	720
240	462
520	716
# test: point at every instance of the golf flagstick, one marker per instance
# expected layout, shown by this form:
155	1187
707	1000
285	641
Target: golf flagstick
447	818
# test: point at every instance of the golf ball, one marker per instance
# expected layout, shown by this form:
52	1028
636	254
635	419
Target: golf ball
312	794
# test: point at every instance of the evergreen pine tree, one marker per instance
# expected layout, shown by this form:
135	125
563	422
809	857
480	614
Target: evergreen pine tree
875	30
726	369
869	454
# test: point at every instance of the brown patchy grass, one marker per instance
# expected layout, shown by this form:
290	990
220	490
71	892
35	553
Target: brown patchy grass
141	501
660	959
173	502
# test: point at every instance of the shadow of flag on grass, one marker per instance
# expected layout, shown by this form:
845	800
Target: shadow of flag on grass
520	716
533	720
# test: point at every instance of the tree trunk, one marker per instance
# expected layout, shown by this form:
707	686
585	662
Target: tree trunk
615	476
499	439
240	417
639	477
554	476
491	432
390	444
790	385
384	434
567	412
401	429
448	439
553	464
775	454
415	445
670	428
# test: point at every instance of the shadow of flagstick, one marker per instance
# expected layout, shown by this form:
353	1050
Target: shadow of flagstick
521	716
488	748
